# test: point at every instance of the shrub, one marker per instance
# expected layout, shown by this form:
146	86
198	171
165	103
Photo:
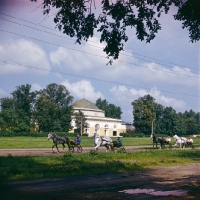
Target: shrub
34	134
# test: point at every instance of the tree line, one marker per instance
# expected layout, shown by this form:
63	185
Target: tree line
164	120
49	109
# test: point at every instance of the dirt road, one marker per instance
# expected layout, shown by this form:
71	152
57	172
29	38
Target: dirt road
184	178
48	151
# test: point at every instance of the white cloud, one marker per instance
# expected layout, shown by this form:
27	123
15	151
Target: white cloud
3	93
80	57
83	89
167	101
155	73
23	52
126	68
128	95
35	86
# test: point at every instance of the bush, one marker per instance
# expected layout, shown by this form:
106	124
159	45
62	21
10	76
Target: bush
126	135
34	134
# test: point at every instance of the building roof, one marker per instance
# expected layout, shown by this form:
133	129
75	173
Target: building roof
83	103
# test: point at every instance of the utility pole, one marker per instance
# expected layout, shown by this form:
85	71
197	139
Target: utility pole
152	126
81	126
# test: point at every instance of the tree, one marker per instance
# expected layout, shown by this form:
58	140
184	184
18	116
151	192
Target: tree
159	117
144	113
191	126
76	18
169	121
24	98
17	110
197	117
192	122
53	108
80	121
45	114
111	110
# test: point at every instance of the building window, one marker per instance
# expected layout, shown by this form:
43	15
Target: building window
97	127
114	133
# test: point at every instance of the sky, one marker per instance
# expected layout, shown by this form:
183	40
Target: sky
33	51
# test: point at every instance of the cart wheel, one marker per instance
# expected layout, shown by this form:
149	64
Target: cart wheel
123	149
71	149
79	149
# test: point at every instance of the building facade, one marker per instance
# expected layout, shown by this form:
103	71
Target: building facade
97	122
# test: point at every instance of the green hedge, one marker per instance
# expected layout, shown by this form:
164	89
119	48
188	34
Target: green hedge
140	135
132	135
35	134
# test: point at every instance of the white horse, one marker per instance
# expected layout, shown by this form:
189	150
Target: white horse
102	141
181	141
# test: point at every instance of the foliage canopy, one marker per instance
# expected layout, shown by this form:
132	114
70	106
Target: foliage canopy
80	19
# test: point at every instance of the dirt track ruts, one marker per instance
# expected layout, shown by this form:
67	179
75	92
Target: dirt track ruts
48	151
104	186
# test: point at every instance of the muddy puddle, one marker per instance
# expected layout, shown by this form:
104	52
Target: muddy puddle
156	193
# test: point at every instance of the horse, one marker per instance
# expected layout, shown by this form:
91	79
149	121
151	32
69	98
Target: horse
102	141
189	142
167	141
58	140
181	141
157	140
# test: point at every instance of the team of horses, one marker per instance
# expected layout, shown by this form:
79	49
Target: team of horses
181	141
111	145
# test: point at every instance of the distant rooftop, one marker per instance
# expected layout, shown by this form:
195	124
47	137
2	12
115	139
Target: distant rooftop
83	103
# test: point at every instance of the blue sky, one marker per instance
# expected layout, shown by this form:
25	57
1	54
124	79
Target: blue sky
167	68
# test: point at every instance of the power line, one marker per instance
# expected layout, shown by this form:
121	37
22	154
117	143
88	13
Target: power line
93	42
95	79
96	54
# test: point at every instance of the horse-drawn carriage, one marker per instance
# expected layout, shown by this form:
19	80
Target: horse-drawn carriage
64	140
107	142
182	141
162	141
73	145
118	147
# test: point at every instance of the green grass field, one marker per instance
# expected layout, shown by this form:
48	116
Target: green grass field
69	164
39	167
42	142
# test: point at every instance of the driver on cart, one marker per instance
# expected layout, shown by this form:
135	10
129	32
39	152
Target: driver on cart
119	142
78	140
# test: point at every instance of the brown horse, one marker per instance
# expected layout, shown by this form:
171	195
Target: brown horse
161	140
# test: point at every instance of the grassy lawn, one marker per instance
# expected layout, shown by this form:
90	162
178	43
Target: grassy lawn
36	167
42	142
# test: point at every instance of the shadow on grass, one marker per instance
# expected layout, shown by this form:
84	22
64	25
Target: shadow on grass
36	167
77	173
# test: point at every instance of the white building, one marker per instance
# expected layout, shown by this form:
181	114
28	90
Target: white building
97	122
